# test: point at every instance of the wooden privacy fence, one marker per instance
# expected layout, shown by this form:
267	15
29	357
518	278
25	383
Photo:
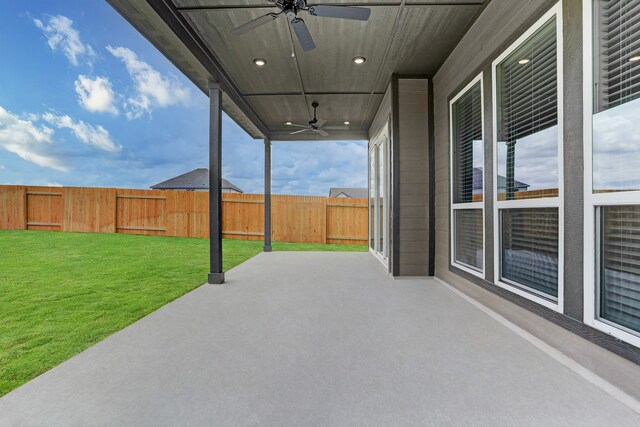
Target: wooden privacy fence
303	219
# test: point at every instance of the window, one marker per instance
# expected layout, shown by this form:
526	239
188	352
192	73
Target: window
616	109
612	155
372	200
467	179
528	149
378	196
619	265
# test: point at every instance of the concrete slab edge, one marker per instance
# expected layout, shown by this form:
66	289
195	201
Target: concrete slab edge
604	385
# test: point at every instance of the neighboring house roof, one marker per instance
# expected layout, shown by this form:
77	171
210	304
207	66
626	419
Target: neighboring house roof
354	193
502	181
197	179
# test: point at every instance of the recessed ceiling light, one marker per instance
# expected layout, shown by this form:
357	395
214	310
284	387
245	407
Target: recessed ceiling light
359	60
634	58
524	61
288	123
347	123
260	62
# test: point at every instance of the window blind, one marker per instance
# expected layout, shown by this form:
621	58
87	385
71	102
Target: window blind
528	86
468	237
620	265
467	128
617	52
530	248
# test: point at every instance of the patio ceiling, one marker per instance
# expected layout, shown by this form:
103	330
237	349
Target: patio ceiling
407	37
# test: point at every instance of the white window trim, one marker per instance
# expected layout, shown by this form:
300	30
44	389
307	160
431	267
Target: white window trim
472	205
591	200
548	202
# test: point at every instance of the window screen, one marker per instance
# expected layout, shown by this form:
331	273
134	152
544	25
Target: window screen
527	113
530	249
620	265
468	146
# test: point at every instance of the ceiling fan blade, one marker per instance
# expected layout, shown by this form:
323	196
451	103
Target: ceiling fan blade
320	122
303	34
336	128
300	131
248	26
321	132
342	12
299	126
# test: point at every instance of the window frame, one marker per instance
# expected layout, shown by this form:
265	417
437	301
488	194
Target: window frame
380	140
593	201
545	202
453	207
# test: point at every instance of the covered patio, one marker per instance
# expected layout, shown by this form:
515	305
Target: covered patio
323	339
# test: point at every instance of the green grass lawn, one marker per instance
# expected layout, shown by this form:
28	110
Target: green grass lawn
62	292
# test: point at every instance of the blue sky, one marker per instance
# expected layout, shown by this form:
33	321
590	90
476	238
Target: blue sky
85	100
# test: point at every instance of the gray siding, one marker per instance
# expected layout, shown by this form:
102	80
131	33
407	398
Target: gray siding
382	115
409	174
413	177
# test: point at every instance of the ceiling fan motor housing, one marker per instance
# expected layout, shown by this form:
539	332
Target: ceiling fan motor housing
291	6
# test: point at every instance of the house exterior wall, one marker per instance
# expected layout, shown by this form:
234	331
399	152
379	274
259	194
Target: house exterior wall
405	108
413	189
497	27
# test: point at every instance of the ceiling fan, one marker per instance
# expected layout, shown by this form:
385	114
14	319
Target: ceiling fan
314	125
291	8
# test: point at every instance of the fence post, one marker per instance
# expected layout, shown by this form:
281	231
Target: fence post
326	224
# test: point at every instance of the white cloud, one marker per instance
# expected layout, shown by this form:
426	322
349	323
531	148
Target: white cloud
96	95
536	159
96	136
616	158
61	35
25	139
152	88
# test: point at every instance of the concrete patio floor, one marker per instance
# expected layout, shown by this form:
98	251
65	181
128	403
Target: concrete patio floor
306	339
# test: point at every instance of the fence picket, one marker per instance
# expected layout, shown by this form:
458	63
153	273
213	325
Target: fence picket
302	219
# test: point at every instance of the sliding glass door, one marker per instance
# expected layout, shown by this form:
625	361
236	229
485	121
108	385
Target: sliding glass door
378	197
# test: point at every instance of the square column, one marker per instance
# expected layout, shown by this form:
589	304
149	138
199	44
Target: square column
267	195
216	274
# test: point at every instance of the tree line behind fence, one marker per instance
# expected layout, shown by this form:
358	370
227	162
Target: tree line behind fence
303	219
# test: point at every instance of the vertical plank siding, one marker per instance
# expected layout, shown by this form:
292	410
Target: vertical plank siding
301	219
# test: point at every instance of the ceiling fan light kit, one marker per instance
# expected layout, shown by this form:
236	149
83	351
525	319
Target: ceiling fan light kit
291	8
